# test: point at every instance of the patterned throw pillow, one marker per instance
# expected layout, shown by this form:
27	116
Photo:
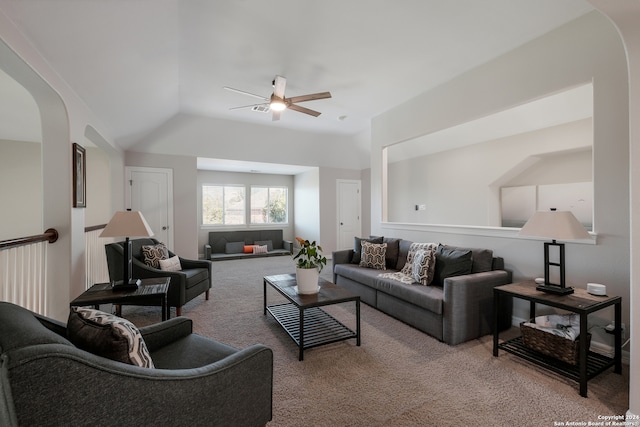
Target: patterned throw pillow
152	254
373	255
257	249
171	264
423	266
109	336
407	270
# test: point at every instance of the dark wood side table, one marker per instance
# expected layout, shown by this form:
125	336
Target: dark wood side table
580	302
303	319
150	292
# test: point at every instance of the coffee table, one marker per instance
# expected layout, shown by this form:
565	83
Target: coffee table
303	319
151	291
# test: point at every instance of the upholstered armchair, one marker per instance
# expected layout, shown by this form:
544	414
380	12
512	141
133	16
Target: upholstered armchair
46	380
192	280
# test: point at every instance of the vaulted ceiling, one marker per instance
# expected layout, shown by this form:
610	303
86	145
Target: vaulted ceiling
138	63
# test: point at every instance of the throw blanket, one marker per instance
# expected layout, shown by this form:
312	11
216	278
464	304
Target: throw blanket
564	325
410	274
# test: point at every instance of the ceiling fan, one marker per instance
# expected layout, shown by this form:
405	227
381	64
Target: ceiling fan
277	101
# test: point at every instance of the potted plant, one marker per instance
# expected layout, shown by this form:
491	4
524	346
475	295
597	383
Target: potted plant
308	267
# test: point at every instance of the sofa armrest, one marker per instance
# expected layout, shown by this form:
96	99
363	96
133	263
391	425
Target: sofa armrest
161	334
468	305
287	245
194	263
340	257
207	251
238	389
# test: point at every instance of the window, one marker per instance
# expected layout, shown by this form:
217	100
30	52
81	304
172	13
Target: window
223	205
269	205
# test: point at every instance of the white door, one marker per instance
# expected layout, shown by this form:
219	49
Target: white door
349	221
150	191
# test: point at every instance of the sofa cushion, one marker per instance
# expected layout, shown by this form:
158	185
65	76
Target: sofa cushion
357	247
403	252
451	262
170	264
482	258
427	297
366	276
260	249
109	336
373	255
393	250
408	266
424	266
267	243
248	249
152	254
234	248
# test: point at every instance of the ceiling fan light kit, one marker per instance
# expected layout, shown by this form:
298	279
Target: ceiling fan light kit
277	102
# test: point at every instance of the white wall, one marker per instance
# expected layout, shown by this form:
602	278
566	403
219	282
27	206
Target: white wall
307	206
185	200
461	186
588	49
21	188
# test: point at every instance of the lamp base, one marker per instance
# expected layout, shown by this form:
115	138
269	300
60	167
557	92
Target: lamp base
555	289
122	285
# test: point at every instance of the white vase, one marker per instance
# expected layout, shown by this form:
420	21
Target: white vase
307	279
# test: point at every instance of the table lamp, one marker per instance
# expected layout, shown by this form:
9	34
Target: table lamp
127	224
556	225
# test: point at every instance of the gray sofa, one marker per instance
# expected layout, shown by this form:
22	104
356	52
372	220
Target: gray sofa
457	310
46	381
224	245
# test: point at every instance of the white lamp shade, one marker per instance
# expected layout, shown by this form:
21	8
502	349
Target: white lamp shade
556	225
127	224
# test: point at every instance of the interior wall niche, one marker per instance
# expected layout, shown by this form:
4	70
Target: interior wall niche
21	187
498	170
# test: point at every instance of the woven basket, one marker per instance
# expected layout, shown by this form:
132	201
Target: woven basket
552	345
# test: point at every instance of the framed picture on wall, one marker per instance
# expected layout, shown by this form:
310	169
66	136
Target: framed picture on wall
79	176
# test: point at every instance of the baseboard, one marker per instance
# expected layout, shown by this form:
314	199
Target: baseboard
598	347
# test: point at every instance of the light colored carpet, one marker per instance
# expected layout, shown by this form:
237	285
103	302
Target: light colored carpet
399	376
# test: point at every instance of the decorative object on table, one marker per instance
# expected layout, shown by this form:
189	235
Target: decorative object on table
596	289
555	335
79	176
556	225
127	224
309	265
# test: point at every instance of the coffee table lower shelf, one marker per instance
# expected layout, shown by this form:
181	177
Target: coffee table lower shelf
317	328
596	363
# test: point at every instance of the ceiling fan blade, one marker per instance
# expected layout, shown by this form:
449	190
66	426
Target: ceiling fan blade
303	110
247	106
279	84
276	115
246	93
310	97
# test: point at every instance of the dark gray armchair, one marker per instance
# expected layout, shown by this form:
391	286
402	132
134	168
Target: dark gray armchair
193	280
46	381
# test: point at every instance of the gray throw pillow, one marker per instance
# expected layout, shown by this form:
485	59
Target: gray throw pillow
451	262
357	247
482	258
267	243
234	248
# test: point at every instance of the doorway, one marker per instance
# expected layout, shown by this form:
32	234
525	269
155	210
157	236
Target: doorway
349	216
150	191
